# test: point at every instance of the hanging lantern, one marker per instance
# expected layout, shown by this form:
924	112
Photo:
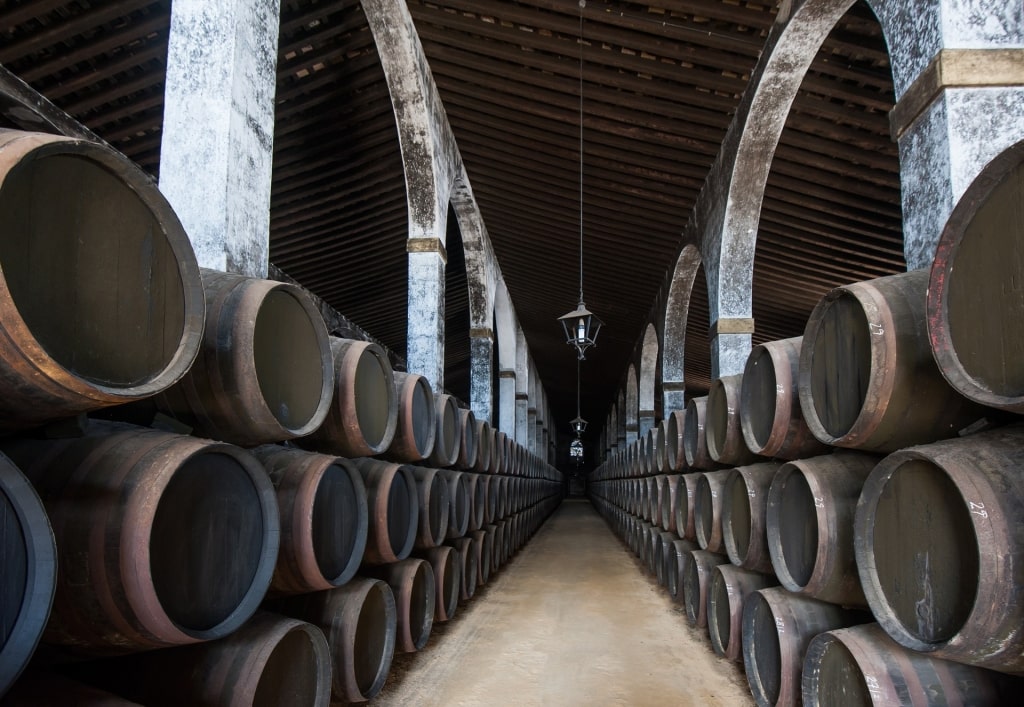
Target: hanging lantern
581	327
579	425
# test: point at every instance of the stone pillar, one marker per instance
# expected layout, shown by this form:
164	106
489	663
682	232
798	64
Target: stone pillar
522	435
507	401
217	142
524	389
730	346
646	421
481	373
673	397
540	431
425	328
960	113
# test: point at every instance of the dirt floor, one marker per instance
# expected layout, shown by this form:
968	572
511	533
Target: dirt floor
571	620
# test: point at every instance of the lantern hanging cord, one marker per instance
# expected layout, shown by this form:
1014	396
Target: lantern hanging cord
578	388
583	4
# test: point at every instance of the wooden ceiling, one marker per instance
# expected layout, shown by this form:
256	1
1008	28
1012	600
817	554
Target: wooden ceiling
661	81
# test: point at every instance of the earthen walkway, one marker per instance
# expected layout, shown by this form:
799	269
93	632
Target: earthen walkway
571	620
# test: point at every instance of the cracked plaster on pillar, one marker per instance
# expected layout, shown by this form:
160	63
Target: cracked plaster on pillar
217	137
425	353
729	354
481	352
507	401
944	151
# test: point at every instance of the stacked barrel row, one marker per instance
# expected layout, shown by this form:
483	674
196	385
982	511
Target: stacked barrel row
845	516
263	514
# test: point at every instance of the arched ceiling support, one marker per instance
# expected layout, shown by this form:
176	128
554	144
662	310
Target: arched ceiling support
632	406
677	309
648	379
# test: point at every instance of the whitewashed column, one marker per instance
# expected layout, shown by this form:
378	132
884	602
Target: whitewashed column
217	143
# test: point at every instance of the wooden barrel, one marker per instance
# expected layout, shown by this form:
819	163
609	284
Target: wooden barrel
161	539
484	442
707	510
811	506
477	485
412	582
654	489
675	454
459	502
493	498
769	405
324	518
655	450
502	508
744	515
730	587
265	371
417	419
485	507
467	557
433	500
940	548
974	292
669	502
723	432
777	628
363	414
360	621
468	443
498	547
482	547
29	560
697	573
446	565
102	298
499	452
645	455
695	445
392	503
681	549
686	519
668	575
656	553
271	660
863	666
867	376
449	432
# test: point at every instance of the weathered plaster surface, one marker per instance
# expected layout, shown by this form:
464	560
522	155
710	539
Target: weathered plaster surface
425	349
983	122
944	151
677	309
729	354
648	368
982	23
632	405
521	431
913	36
217	140
507	402
481	351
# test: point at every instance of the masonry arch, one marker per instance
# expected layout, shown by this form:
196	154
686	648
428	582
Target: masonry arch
648	380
